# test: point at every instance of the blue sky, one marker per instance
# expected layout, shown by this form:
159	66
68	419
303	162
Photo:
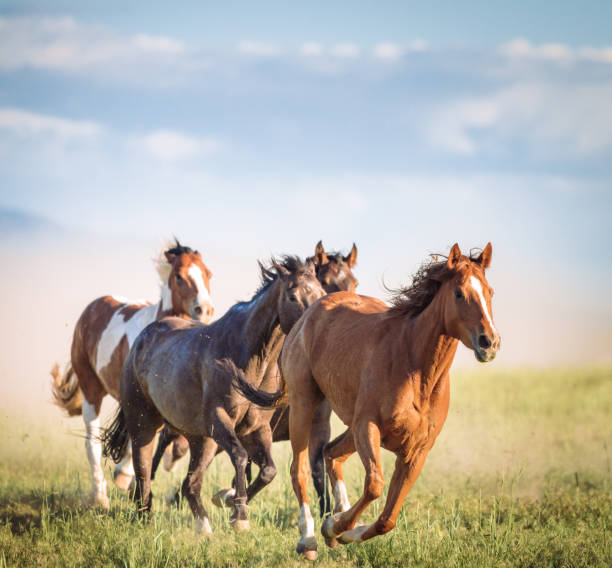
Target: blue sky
251	129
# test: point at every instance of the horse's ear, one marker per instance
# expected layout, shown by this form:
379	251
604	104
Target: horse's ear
208	272
485	257
453	256
320	256
280	270
351	259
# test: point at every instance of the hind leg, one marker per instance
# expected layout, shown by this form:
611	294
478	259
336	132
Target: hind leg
164	441
319	436
259	446
225	436
93	393
202	452
124	471
304	398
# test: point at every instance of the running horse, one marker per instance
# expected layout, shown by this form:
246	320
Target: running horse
334	272
385	372
173	357
102	338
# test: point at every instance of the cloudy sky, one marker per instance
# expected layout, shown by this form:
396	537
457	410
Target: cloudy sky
256	128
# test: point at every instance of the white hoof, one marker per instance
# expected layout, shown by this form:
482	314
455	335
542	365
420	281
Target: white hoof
203	527
353	535
224	498
96	499
240	526
123	480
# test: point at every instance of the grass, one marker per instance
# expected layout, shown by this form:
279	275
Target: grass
520	476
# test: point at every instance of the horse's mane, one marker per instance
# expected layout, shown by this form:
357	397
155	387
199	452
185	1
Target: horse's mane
412	300
163	267
269	274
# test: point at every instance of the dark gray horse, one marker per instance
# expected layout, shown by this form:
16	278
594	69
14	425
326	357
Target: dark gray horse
173	375
334	272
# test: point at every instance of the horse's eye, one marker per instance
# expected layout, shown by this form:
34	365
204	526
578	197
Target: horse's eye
179	278
458	293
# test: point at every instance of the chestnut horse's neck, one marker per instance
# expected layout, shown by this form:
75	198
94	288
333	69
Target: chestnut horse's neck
431	351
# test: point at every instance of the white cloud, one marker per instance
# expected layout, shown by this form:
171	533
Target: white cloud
65	45
557	52
258	49
388	51
24	122
171	146
559	120
312	49
345	50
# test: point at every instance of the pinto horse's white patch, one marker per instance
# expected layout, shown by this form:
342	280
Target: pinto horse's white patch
118	327
203	298
478	287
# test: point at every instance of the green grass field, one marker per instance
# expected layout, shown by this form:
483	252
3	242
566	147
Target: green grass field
520	476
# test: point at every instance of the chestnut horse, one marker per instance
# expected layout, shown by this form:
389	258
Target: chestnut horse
334	272
172	375
385	373
102	338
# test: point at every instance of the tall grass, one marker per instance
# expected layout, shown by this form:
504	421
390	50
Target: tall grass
520	476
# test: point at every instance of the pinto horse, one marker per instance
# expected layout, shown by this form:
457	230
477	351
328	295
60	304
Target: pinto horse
172	375
102	338
334	272
385	373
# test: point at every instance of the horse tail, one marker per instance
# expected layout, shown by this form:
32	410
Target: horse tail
256	396
66	390
115	438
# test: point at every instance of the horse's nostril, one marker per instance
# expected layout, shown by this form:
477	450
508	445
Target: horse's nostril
484	342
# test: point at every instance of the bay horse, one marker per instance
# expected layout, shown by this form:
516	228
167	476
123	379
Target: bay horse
334	272
385	372
102	338
172	375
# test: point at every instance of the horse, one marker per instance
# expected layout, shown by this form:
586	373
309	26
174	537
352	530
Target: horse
334	272
385	373
102	338
172	375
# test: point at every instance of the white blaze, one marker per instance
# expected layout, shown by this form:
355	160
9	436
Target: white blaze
196	275
478	287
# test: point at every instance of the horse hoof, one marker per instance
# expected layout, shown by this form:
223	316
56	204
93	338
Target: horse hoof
327	530
307	547
123	480
94	500
203	527
353	535
240	526
224	498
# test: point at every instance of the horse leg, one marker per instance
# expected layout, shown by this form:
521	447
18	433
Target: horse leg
225	436
319	436
180	446
336	453
165	439
93	393
124	470
404	476
202	452
367	442
303	404
259	446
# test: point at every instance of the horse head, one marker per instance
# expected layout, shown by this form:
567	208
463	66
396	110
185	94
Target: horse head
467	303
334	270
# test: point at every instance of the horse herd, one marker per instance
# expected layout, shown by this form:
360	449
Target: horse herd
274	368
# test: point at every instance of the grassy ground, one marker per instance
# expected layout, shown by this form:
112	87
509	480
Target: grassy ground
520	476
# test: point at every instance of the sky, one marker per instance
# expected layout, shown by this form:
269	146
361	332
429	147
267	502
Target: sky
251	129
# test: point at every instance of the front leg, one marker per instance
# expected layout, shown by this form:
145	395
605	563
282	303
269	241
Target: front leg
366	437
404	476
